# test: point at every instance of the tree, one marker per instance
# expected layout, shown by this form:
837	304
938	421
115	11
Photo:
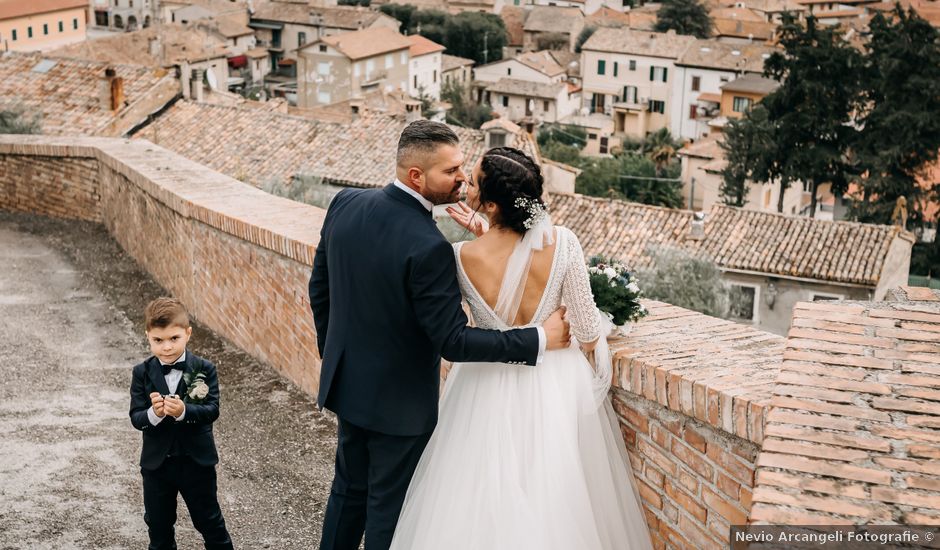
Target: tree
661	148
568	135
747	144
14	121
811	110
475	35
900	125
402	12
560	152
630	177
583	36
687	17
684	279
552	41
464	111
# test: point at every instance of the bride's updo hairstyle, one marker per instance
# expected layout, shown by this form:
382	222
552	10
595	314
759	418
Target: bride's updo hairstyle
508	175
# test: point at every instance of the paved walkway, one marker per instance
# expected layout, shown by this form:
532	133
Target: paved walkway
70	330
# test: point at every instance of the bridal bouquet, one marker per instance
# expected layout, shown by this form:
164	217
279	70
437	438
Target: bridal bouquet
615	290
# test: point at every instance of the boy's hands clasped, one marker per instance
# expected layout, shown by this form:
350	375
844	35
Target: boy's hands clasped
170	405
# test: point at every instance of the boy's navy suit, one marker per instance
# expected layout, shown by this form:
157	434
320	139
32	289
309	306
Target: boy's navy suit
387	305
179	457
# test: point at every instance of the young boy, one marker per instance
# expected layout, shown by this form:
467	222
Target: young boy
174	401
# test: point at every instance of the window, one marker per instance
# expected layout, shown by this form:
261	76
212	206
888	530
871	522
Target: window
45	28
822	296
629	94
75	23
61	26
743	302
724	79
592	136
740	104
323	68
415	81
301	38
658	74
509	71
693	111
434	79
323	49
603	146
131	2
403	58
323	97
545	106
14	35
633	64
615	68
370	66
389	61
505	101
601	66
29	32
696	83
356	69
497	139
657	106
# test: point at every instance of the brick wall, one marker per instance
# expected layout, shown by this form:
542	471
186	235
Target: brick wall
693	394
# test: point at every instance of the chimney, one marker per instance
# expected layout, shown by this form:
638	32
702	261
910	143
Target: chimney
197	93
355	108
154	43
412	111
112	90
697	229
185	75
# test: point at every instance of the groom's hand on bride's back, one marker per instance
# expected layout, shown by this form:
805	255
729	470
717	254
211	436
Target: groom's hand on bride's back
557	330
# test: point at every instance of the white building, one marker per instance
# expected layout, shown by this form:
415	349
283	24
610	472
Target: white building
700	72
424	69
628	75
530	103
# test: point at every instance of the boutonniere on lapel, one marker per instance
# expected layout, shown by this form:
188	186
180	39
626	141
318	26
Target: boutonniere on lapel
196	388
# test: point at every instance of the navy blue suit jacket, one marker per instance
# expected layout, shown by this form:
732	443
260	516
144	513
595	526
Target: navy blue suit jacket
386	305
193	434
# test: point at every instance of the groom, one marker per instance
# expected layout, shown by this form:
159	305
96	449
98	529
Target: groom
386	305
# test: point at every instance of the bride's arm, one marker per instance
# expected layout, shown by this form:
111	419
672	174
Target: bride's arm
576	294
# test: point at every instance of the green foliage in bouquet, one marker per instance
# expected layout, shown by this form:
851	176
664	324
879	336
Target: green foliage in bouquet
615	290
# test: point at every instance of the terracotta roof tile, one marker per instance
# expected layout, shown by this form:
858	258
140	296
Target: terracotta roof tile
514	19
67	95
367	42
553	19
422	46
713	54
735	239
10	9
451	62
190	42
261	146
656	44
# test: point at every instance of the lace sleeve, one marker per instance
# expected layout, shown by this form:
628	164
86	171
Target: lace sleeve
576	293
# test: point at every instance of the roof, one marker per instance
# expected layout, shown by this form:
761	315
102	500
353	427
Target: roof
340	17
851	435
67	96
554	19
258	146
759	30
751	83
741	14
451	62
608	17
542	61
763	242
654	44
366	43
10	9
527	88
514	19
232	26
707	147
709	97
422	46
766	6
180	42
713	54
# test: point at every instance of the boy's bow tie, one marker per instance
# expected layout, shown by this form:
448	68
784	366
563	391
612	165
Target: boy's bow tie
168	368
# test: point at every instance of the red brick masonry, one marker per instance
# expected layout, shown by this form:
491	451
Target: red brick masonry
854	387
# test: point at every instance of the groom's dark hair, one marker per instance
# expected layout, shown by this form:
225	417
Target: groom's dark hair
423	137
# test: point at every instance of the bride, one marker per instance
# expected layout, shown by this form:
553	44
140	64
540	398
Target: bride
523	457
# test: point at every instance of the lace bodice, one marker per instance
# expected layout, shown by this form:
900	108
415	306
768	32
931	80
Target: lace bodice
568	284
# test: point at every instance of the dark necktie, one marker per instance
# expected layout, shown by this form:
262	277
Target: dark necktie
168	368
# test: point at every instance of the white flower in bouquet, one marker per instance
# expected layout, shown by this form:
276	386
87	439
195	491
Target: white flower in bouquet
199	390
632	287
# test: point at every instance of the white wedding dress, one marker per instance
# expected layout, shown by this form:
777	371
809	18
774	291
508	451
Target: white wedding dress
527	457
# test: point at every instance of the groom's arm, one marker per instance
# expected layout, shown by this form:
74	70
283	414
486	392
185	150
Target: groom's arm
319	286
436	298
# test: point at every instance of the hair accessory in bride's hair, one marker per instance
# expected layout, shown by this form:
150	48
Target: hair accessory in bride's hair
535	209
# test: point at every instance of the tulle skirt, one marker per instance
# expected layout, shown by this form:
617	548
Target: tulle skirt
521	458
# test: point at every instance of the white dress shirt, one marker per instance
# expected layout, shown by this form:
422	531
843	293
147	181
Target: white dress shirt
429	206
172	382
